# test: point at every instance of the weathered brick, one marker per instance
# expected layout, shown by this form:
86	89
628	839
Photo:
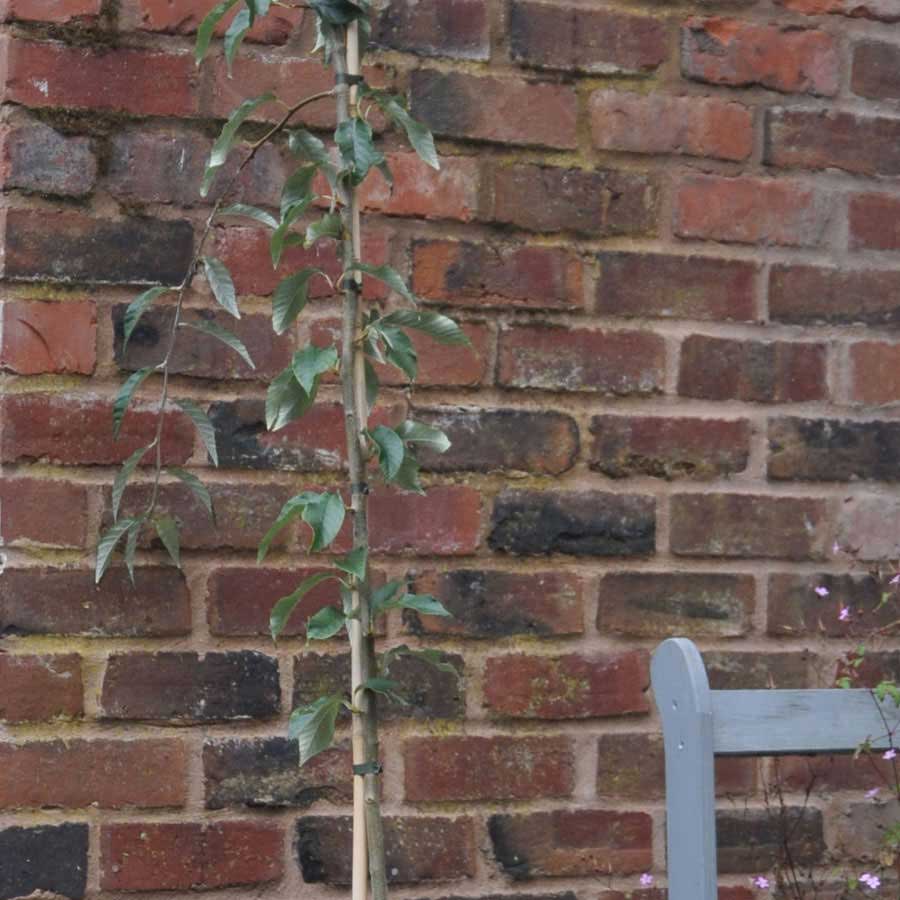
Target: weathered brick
880	10
663	604
669	448
459	105
129	80
829	139
74	429
418	849
874	372
202	355
681	287
479	768
741	54
833	450
725	892
587	40
480	275
750	211
66	601
752	371
876	666
35	157
876	70
747	526
40	337
265	773
73	247
104	773
456	28
553	358
689	126
806	295
502	439
834	773
51	858
586	523
189	855
519	686
874	221
56	11
757	671
572	843
493	604
43	512
599	203
752	840
431	693
861	829
861	527
40	688
186	687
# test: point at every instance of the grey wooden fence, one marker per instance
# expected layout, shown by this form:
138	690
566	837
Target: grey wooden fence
700	724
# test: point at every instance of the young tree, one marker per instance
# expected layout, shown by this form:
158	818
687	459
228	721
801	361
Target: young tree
368	335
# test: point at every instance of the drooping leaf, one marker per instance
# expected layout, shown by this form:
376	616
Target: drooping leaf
237	30
434	658
354	563
400	351
107	545
291	509
312	726
357	148
325	517
204	427
338	12
325	624
389	276
437	326
285	401
283	609
198	488
224	335
222	286
134	532
310	363
122	477
208	26
426	435
137	308
219	154
126	392
391	450
382	595
283	237
250	212
384	686
407	476
298	189
167	529
420	138
307	146
329	226
421	603
290	298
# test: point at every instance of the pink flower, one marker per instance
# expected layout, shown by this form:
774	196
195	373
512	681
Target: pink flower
895	580
844	614
646	879
761	882
872	794
836	548
822	591
873	882
890	754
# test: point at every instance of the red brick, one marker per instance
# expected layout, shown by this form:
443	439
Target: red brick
493	604
519	686
752	840
438	770
467	274
666	604
668	448
835	773
597	202
418	849
681	287
57	11
40	688
133	81
53	338
572	843
874	222
553	358
875	70
747	526
828	139
189	855
36	158
874	372
861	527
806	295
456	28
104	773
459	105
741	54
881	10
750	211
757	671
445	522
689	126
587	40
66	601
72	429
43	512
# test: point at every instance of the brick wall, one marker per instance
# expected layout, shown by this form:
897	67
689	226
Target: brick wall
672	233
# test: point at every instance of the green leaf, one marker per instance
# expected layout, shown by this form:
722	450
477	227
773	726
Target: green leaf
208	26
258	8
434	658
391	451
354	563
283	237
400	352
419	433
338	12
107	545
136	309
298	189
329	226
407	476
384	686
223	335
122	477
442	328
310	363
204	427
283	609
219	279
390	276
307	146
421	603
382	595
250	212
325	624
354	140
291	509
197	486
312	726
238	28
167	529
134	532
325	516
126	392
418	135
285	401
222	147
371	384
290	298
